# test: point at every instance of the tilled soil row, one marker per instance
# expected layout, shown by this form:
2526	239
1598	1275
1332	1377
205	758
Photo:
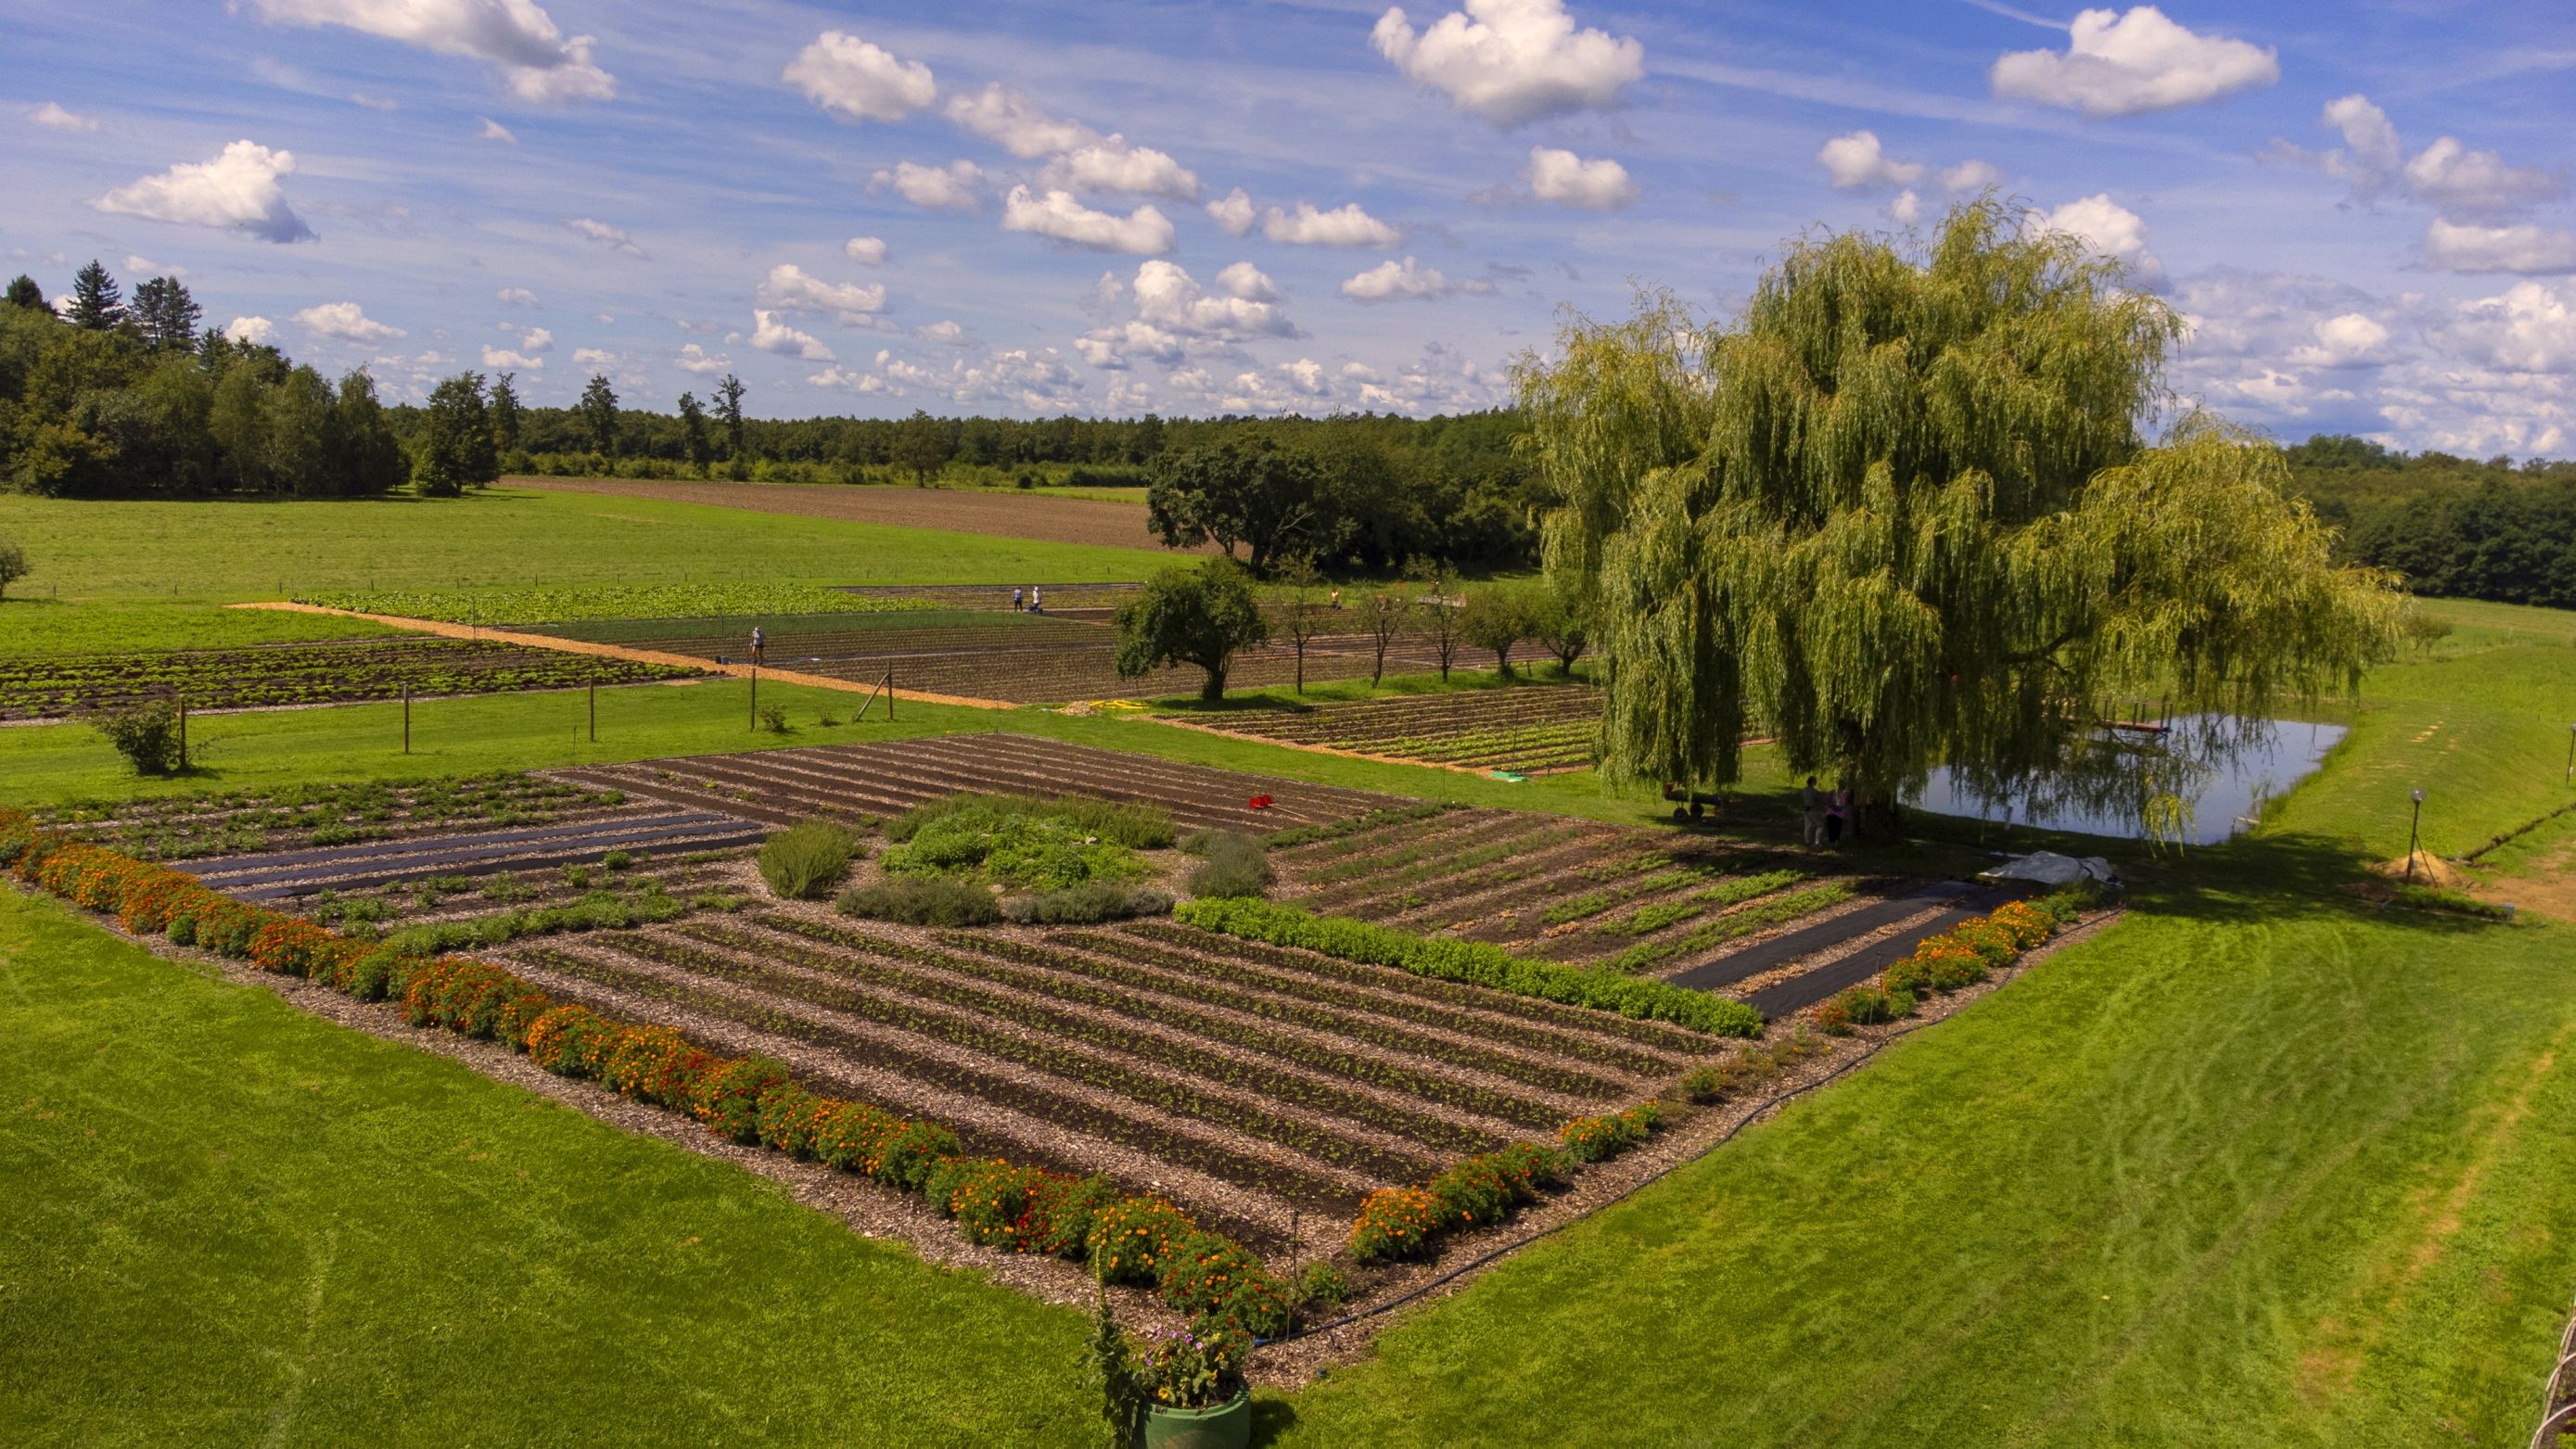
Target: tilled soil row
273	675
1463	902
1378	1086
996	1108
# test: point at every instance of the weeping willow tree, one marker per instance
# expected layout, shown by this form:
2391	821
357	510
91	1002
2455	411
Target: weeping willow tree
1903	511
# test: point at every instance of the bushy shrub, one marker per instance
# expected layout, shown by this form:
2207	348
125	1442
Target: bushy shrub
1209	1277
1395	1222
1473	1194
570	1041
1708	1082
1475	962
806	860
1322	1286
146	734
994	1206
852	1137
913	1150
729	1096
1062	1212
787	1119
1594	1139
1130	1238
1863	1006
1086	904
1231	864
654	1064
922	901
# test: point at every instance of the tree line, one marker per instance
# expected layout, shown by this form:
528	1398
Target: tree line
2453	527
128	397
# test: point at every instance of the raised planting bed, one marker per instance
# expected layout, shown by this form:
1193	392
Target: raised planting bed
863	781
1245	1081
634	830
271	676
1533	729
245	822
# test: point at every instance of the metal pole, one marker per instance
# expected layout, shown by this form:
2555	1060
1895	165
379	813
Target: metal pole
406	717
2414	836
594	713
755	696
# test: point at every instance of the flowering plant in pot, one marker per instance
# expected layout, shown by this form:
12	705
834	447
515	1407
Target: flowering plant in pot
1191	1380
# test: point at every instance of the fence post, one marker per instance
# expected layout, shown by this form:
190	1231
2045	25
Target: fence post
755	696
889	694
406	716
183	732
594	712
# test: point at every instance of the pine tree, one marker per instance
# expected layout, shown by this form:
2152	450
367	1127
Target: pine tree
729	408
598	410
693	432
165	313
1900	512
97	303
505	412
23	292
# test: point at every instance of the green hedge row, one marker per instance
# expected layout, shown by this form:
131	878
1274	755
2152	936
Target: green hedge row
1472	962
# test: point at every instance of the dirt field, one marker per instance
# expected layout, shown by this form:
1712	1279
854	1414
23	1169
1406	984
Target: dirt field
1001	515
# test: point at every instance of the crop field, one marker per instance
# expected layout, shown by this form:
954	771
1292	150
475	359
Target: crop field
1779	929
619	833
967	641
1245	1081
273	676
189	827
1524	731
868	781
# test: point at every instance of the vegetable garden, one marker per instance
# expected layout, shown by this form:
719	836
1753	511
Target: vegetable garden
1529	731
280	675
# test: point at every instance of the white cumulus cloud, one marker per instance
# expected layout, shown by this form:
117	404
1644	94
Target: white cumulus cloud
594	357
516	37
1569	180
2347	339
945	333
865	250
251	329
606	235
1111	164
1056	214
344	321
2524	248
1343	226
2108	228
865	82
771	335
497	357
957	186
2530	328
1233	211
1512	61
1856	162
2125	65
1012	121
790	288
237	191
51	114
1972	175
1395	281
2447	175
515	297
694	358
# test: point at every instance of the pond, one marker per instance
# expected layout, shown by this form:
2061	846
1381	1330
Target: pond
2202	781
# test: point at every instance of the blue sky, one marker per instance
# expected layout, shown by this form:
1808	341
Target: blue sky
1032	208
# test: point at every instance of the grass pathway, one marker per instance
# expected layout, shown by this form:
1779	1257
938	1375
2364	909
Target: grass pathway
233	1223
2302	1180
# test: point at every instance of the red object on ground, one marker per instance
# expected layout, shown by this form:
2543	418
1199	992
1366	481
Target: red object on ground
1259	802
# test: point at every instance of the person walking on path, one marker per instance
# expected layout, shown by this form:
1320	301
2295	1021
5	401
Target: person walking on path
1019	601
1337	598
1811	802
759	645
1037	598
1837	808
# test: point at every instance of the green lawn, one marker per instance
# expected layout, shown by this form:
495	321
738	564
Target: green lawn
90	550
2247	1174
232	1223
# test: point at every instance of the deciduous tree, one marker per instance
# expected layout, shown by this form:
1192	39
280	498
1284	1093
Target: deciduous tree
694	442
923	445
13	565
1197	616
598	409
1248	493
1387	612
1440	609
456	450
23	292
505	412
729	407
1903	509
1497	617
1301	610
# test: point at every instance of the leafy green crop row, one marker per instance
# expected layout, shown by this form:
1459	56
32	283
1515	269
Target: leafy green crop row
562	605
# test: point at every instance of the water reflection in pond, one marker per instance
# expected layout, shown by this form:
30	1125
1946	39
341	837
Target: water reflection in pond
2201	781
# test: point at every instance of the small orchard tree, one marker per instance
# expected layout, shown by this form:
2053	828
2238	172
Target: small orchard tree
1902	509
1557	622
1195	616
1497	618
13	565
1386	613
1301	608
1439	605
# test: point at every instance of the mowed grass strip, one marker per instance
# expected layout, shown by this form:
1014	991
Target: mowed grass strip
233	1223
2297	1176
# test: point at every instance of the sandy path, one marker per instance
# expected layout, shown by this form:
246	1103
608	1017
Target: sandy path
1031	515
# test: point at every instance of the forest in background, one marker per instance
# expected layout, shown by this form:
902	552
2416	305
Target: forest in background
107	395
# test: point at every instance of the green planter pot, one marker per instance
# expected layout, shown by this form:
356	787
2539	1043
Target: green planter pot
1227	1426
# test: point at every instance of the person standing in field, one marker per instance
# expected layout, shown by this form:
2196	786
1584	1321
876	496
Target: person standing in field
1019	601
1037	598
759	645
1837	808
1811	803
